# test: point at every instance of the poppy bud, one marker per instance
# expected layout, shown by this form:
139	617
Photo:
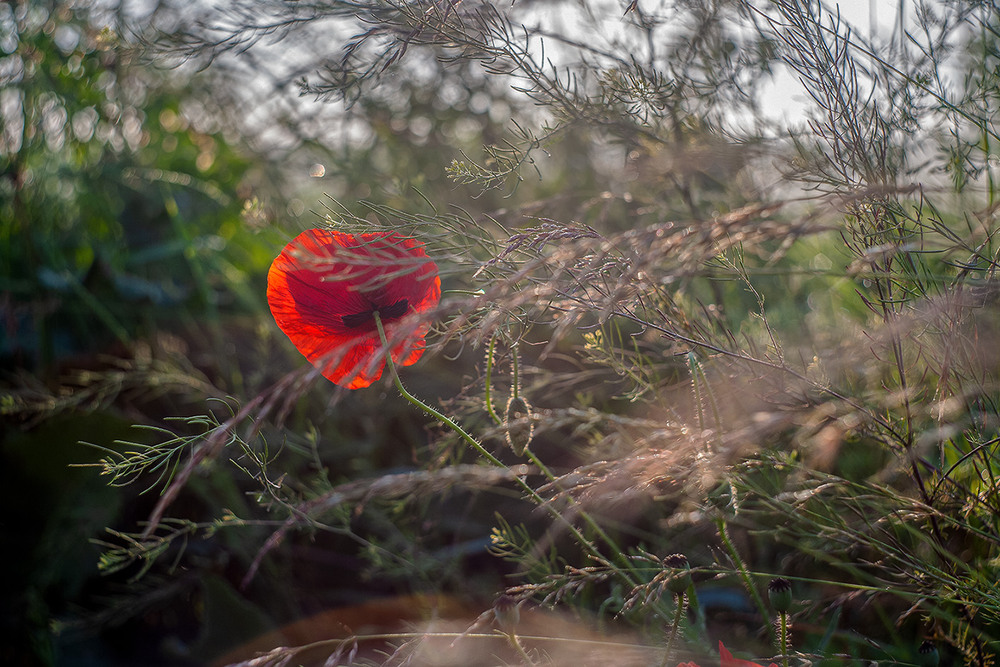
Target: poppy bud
507	612
928	655
517	420
779	591
680	579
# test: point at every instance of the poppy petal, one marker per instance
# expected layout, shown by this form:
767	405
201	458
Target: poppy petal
726	659
324	285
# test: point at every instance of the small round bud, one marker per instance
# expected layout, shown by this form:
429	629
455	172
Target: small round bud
507	612
779	592
927	655
680	578
517	421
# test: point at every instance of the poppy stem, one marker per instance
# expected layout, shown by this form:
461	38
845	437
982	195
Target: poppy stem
783	631
681	605
515	642
444	419
625	569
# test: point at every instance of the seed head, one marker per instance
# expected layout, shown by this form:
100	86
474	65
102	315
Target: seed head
507	612
779	591
680	578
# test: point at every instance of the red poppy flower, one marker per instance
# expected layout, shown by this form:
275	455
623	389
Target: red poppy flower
325	287
726	659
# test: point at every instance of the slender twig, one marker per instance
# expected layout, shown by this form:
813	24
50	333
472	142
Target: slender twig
488	392
744	575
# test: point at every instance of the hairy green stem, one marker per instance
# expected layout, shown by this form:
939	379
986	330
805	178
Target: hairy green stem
515	381
513	640
444	419
745	575
678	613
472	442
783	629
601	533
488	394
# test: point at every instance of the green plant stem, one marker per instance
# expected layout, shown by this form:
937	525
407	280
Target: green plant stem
472	442
601	533
783	628
447	421
678	613
488	393
699	404
513	640
515	388
697	371
745	575
515	381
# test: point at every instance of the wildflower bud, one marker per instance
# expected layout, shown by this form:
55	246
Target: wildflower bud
517	420
779	591
927	655
507	612
680	578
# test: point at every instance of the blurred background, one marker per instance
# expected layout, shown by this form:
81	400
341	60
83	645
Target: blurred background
156	156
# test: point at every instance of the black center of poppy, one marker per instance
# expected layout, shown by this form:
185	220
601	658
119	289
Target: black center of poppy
387	313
